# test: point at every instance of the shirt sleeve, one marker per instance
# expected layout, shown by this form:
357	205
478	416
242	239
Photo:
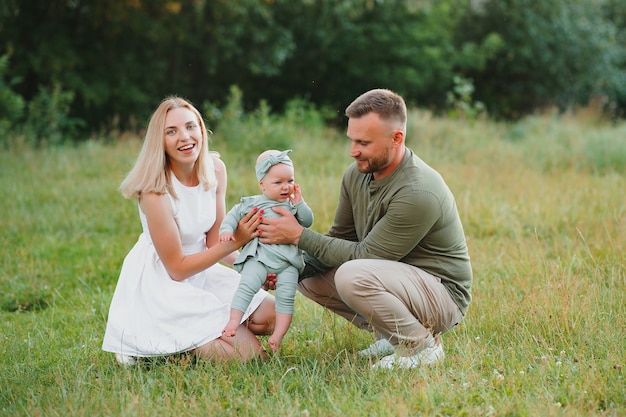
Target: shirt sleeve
343	224
405	222
231	220
304	214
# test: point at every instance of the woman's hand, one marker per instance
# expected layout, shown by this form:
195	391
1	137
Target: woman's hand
248	227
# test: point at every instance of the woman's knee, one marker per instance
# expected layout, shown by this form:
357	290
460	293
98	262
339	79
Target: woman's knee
263	319
215	350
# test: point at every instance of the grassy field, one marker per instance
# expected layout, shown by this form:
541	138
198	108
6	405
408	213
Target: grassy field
544	208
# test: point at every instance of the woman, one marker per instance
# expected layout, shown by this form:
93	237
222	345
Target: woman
173	295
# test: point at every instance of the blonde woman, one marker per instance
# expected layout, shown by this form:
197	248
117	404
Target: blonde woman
173	294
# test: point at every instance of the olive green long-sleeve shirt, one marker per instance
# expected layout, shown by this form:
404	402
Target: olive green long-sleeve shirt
409	216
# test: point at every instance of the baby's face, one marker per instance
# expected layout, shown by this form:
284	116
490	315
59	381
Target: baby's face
278	182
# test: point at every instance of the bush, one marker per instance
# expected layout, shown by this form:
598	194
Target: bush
555	52
11	103
253	132
48	120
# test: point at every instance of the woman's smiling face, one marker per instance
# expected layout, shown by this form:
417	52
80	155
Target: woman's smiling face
183	136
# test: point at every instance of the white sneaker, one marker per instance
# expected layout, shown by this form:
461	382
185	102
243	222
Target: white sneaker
125	360
428	356
381	347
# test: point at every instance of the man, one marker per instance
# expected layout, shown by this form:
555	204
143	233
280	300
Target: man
395	259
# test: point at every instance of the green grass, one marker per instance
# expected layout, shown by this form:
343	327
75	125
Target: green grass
544	208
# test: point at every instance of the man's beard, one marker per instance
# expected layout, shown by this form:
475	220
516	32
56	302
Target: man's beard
376	164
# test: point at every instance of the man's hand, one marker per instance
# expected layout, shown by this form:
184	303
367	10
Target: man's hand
270	282
282	230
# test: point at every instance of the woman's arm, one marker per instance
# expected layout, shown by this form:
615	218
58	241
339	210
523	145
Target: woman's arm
221	175
222	182
166	238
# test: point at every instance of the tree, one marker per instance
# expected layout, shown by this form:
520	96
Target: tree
343	48
120	57
556	52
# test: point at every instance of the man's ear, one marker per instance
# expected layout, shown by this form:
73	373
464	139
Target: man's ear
398	137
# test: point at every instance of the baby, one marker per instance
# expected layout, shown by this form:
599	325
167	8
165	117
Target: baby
275	173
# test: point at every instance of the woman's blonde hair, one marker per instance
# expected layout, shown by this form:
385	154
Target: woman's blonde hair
151	172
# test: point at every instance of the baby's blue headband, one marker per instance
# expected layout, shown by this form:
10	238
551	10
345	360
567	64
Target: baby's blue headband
264	165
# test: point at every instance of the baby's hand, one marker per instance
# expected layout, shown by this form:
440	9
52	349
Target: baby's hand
226	236
296	194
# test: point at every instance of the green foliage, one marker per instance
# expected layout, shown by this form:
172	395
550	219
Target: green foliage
554	52
112	60
11	103
461	102
43	120
48	120
345	48
250	133
615	12
118	56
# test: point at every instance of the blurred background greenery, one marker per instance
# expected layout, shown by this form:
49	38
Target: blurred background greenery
71	70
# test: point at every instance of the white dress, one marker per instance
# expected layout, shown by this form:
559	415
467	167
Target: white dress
150	313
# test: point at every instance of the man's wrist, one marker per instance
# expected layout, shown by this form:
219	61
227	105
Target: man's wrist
299	236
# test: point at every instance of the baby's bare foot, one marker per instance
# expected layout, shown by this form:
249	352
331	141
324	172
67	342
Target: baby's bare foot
275	342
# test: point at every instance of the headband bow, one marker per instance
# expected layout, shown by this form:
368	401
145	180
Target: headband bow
264	165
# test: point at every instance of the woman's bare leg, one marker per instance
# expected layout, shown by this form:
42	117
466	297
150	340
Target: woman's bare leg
243	346
263	320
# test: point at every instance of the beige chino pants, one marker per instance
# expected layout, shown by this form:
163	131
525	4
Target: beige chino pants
400	302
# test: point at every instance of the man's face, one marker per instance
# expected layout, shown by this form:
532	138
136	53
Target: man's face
372	140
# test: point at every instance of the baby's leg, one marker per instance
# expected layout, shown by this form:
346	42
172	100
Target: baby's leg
253	276
233	323
286	284
283	321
